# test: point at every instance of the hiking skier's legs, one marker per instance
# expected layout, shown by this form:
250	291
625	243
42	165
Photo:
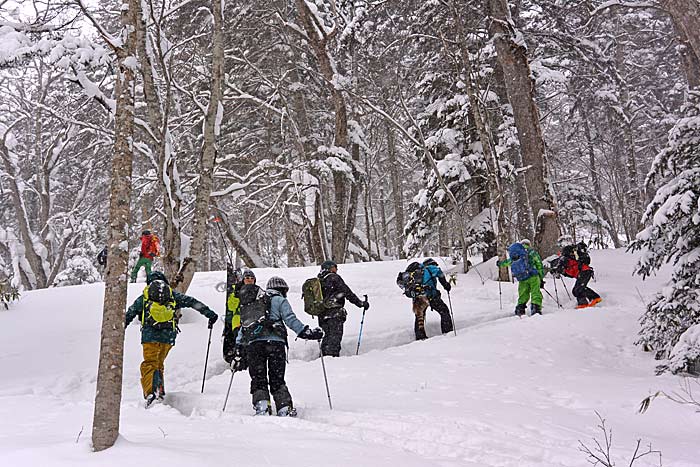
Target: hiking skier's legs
581	291
333	332
153	367
420	304
437	304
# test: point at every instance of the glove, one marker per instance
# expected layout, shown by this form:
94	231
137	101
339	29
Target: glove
212	320
541	283
240	360
365	305
315	334
448	287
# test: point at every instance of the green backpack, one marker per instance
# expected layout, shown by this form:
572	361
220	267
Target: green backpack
312	294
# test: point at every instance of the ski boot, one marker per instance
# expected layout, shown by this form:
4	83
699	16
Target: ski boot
287	411
263	408
595	301
151	399
535	309
520	310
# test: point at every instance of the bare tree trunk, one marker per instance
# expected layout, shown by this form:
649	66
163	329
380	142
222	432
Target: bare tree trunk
212	124
105	425
686	18
318	40
512	56
593	167
396	191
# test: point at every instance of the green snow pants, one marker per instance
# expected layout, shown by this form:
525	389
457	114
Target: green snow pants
529	289
143	261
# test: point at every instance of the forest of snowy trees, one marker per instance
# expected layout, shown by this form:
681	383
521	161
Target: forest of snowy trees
354	130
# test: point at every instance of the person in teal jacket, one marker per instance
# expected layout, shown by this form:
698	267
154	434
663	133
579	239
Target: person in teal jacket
526	266
158	309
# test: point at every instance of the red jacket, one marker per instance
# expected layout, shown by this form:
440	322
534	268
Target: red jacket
149	246
572	268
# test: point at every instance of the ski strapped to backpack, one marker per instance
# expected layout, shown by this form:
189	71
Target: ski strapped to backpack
312	293
160	314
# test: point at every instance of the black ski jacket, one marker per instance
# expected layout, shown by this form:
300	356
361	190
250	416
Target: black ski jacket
335	291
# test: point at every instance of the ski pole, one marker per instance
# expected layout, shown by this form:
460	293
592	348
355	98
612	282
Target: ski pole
452	316
325	376
550	295
480	276
565	289
362	323
556	292
206	359
500	296
233	372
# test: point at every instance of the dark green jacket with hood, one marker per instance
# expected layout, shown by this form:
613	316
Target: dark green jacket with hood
167	335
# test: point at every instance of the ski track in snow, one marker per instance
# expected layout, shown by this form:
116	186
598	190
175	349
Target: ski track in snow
505	391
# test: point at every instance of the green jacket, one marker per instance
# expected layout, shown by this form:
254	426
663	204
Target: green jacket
167	335
533	257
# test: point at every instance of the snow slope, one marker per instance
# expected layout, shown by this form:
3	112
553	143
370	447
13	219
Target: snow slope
505	391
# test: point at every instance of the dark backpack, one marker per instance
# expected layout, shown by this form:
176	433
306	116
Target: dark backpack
254	309
411	280
312	293
520	265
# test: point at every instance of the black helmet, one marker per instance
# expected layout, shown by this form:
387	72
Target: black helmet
159	291
430	262
568	250
328	264
146	232
278	284
156	276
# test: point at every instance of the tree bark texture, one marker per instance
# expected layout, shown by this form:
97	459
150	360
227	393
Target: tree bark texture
212	123
512	56
105	426
686	19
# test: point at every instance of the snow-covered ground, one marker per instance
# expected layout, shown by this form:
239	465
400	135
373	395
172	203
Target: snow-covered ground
505	391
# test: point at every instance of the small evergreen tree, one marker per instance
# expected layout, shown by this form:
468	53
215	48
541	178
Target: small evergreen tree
672	234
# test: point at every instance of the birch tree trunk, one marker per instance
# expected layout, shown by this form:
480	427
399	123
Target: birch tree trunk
512	56
105	425
212	125
686	18
396	191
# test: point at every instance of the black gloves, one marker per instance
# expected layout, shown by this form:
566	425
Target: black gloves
365	305
542	283
447	286
212	320
240	361
315	334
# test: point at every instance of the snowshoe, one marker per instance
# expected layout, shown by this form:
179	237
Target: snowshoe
287	412
263	408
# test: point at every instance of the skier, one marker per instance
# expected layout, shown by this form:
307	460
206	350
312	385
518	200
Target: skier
333	317
232	319
263	335
158	309
419	282
526	265
574	262
150	249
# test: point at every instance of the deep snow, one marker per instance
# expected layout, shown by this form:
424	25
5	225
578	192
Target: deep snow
505	391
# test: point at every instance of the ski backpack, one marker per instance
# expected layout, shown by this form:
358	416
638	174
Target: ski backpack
254	310
520	262
312	293
411	280
159	306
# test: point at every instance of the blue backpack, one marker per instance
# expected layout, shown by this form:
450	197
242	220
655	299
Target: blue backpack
520	265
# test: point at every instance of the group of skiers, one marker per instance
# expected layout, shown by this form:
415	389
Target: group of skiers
256	319
255	330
